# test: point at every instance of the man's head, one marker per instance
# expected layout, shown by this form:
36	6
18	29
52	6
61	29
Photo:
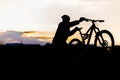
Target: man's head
65	18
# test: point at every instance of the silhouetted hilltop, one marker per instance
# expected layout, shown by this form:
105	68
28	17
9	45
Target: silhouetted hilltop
26	59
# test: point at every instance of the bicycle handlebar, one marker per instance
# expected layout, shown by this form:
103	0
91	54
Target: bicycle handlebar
94	20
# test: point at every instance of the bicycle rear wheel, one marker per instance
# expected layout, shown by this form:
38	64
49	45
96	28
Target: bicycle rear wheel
105	40
75	41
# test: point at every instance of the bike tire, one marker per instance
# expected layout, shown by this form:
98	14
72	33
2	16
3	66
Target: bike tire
75	41
112	42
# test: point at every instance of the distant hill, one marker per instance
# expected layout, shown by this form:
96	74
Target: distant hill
11	37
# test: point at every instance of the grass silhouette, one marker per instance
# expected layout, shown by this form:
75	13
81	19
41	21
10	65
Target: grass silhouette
29	59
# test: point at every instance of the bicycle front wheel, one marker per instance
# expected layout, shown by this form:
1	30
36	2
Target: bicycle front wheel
105	40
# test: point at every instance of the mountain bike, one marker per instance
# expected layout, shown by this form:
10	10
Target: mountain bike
103	38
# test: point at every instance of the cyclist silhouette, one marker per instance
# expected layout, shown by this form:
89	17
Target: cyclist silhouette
63	30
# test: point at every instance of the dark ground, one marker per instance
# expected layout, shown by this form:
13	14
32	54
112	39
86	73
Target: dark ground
29	60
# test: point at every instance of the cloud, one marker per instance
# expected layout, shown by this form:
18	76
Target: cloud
44	36
16	37
77	8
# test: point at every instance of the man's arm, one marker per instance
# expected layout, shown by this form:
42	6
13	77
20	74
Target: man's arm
73	31
73	23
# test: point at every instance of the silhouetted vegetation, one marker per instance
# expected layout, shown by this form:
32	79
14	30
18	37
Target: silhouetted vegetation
30	59
69	54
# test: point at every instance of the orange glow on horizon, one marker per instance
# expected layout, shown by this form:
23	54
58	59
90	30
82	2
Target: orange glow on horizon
43	36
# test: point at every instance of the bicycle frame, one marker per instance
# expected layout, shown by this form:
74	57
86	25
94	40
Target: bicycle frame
89	33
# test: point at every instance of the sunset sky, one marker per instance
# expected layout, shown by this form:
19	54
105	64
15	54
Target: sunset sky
43	16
